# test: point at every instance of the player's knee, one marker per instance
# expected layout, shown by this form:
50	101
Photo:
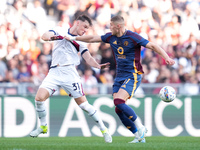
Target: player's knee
84	105
42	95
87	108
118	111
118	101
40	98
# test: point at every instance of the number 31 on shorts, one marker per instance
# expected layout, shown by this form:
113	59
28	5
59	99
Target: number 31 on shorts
76	86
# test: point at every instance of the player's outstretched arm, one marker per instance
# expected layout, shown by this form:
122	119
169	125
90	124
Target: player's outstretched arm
47	36
92	62
105	65
161	52
85	38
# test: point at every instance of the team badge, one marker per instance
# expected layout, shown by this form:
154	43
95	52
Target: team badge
126	43
115	42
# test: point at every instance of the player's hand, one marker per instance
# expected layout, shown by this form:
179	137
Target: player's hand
106	65
170	61
67	38
71	38
58	37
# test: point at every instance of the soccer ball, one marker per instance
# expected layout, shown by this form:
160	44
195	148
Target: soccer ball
167	94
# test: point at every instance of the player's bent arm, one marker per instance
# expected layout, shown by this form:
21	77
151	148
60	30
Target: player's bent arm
161	52
90	60
89	38
47	36
157	49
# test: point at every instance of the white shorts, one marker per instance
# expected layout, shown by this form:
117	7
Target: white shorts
65	77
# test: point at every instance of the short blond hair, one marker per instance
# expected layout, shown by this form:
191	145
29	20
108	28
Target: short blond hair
117	19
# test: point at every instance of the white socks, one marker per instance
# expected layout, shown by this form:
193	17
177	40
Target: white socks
41	111
137	123
93	113
136	134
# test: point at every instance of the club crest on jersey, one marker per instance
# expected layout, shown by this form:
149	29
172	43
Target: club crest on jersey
126	43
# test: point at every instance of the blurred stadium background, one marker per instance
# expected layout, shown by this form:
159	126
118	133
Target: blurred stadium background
25	58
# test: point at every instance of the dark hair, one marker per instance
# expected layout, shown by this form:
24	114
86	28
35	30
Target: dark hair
117	18
85	18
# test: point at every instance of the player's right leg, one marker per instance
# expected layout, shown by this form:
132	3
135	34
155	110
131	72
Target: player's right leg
41	96
142	131
137	141
46	89
137	138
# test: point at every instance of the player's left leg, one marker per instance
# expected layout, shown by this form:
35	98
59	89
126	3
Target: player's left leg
126	121
72	85
131	115
129	125
92	112
126	91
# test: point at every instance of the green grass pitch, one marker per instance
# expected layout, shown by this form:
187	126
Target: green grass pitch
97	143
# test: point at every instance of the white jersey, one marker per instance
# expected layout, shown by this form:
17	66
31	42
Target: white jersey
66	52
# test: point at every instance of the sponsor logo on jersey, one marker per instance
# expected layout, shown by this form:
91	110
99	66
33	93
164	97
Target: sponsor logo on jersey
121	56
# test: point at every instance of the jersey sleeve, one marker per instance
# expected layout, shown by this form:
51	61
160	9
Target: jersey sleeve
106	38
83	47
139	39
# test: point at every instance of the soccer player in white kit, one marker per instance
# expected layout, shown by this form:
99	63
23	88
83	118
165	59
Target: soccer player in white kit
63	73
